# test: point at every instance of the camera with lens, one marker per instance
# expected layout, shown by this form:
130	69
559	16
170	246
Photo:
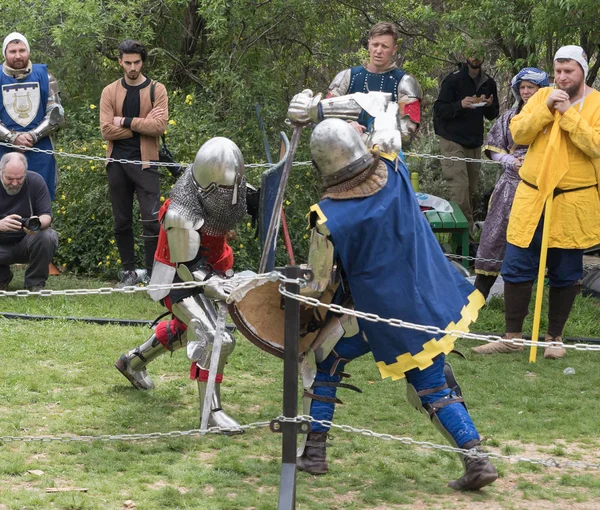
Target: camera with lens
33	224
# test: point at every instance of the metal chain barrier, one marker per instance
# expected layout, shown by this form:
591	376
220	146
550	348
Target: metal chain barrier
433	330
236	280
480	259
446	448
89	158
472	259
249	165
451	158
298	419
132	437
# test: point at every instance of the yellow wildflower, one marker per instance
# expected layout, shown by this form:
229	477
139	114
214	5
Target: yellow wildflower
104	146
69	240
100	263
84	149
92	107
112	241
241	245
287	202
172	122
63	196
162	199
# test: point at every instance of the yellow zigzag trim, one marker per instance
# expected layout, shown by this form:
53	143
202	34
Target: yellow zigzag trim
316	209
433	347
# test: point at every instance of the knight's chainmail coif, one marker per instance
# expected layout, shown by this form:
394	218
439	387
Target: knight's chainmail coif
214	206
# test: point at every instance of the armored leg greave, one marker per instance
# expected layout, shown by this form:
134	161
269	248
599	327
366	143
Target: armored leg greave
320	397
133	364
435	392
199	314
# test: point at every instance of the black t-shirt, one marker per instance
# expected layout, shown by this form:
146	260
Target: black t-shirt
130	147
32	200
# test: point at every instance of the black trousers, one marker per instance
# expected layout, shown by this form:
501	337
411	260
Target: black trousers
36	249
123	181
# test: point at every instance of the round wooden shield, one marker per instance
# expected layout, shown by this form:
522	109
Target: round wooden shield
259	315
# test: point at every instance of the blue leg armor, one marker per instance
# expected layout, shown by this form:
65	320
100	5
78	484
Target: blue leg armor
329	378
443	404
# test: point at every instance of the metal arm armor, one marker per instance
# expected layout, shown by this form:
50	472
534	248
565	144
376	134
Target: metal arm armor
55	113
409	88
6	135
184	240
342	107
340	84
409	91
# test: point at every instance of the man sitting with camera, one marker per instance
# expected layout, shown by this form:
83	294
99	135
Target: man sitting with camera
26	215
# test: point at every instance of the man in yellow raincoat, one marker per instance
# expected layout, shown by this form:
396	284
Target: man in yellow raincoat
562	127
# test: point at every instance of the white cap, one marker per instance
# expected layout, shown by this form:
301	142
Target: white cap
14	36
574	53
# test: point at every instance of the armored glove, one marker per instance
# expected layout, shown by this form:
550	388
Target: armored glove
304	108
217	287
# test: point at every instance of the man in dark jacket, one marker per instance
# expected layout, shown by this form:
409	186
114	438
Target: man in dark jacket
466	96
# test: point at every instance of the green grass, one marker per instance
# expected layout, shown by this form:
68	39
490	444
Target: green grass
57	378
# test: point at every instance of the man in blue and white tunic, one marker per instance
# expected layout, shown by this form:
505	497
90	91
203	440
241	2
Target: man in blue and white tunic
381	74
30	111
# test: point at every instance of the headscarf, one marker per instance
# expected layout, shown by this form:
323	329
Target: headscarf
574	53
14	36
531	74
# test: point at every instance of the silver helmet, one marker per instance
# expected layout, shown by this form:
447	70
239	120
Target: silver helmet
212	192
338	152
219	163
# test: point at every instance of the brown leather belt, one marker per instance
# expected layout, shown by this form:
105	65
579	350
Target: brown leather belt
558	191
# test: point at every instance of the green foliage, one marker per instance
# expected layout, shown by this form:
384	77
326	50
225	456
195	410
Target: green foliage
227	56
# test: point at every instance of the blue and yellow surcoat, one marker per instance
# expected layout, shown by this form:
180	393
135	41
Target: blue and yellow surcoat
395	268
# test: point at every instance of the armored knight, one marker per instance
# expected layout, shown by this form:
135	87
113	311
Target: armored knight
205	204
30	112
368	201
